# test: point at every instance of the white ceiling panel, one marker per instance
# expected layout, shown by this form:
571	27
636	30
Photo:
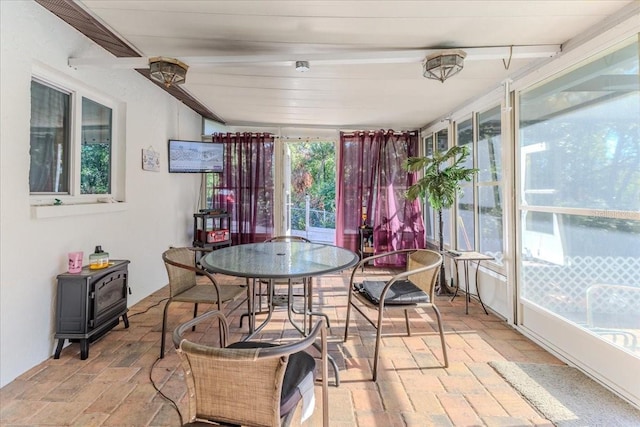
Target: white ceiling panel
338	93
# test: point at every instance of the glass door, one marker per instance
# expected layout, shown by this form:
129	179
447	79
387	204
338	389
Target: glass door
287	190
310	190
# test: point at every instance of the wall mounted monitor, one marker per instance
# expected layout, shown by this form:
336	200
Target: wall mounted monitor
195	156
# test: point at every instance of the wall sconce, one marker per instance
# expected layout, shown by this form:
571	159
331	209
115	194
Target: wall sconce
168	71
444	64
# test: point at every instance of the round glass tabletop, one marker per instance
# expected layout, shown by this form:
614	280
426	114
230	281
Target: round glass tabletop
279	260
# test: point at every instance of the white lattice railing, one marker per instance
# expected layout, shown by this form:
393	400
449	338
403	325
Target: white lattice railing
563	288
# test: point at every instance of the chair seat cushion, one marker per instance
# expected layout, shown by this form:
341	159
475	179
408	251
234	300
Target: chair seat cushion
402	292
299	366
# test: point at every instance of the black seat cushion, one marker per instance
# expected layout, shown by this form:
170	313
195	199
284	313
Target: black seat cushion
401	292
299	366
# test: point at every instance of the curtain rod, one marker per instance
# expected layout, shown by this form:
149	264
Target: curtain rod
210	135
395	133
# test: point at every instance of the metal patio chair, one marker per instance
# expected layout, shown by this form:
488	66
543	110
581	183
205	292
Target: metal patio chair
413	288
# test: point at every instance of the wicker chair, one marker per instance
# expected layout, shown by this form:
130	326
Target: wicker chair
250	383
182	269
414	288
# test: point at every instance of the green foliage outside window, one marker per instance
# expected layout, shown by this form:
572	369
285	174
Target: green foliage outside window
313	173
95	170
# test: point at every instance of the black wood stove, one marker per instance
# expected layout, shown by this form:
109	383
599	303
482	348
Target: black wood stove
90	304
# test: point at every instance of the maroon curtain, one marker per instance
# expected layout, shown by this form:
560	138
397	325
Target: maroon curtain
371	178
245	188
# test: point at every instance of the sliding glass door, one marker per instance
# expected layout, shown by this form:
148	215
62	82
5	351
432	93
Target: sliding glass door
579	209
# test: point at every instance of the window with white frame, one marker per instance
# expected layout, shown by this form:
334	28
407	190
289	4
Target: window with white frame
71	142
442	145
489	184
438	141
466	218
479	208
429	213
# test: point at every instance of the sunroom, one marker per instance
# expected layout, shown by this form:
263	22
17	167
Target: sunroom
547	102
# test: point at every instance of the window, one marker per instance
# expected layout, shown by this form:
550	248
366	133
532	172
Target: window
489	184
438	141
466	204
429	213
442	144
69	160
479	208
50	140
580	196
95	157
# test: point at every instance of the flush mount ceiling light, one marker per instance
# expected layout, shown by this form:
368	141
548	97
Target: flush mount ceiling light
168	71
444	64
302	66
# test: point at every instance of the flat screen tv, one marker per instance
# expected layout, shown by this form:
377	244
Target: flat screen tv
195	156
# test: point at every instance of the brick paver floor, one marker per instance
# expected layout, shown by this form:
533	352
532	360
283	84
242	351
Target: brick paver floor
113	386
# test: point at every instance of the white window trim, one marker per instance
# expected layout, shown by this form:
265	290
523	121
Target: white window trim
75	203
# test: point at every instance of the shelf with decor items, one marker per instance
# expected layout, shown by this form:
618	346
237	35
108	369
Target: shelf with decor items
365	242
211	229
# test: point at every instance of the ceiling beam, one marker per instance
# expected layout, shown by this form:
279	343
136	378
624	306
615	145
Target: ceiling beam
332	58
74	15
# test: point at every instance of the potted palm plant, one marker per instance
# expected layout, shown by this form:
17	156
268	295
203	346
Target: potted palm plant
440	184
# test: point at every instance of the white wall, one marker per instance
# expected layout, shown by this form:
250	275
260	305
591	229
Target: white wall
33	251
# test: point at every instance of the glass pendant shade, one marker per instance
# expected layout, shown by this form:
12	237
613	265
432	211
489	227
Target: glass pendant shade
442	65
302	66
168	71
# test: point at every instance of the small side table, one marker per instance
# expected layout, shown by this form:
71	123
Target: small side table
466	257
364	249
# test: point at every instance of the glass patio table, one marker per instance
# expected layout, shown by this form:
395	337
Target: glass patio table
278	260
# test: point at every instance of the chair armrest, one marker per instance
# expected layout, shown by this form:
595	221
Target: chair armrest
179	331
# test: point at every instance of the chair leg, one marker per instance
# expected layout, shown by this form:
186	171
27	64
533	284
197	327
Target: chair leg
221	332
308	304
444	346
406	320
164	326
378	339
310	307
346	321
325	378
195	314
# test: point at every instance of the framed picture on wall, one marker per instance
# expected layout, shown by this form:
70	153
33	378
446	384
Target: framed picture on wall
150	160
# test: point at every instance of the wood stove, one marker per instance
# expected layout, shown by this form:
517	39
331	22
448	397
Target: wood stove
90	304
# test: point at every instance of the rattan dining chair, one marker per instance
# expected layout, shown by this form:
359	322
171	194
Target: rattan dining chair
413	288
182	271
251	383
